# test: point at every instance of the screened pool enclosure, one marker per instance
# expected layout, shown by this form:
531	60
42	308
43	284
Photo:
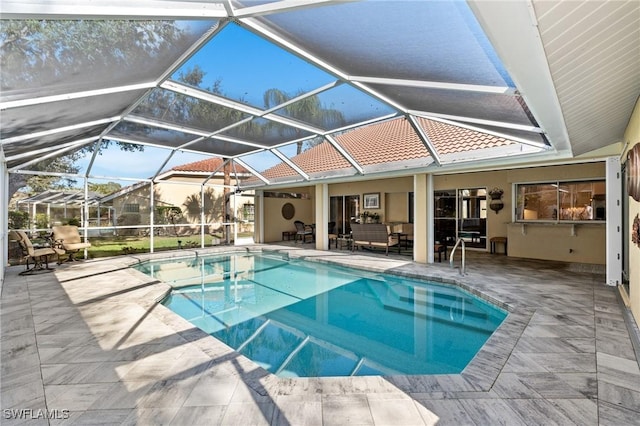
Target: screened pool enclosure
139	101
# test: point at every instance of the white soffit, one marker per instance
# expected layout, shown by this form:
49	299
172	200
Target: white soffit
593	51
511	28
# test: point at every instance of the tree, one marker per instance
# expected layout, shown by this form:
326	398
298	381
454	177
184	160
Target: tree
105	188
308	109
40	53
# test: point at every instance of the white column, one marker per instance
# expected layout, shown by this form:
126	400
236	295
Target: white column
4	216
258	217
322	216
421	220
85	213
152	209
202	224
614	221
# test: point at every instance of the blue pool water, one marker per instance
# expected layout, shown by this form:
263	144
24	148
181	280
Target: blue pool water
307	319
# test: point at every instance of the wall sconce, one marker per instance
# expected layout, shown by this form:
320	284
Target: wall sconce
496	203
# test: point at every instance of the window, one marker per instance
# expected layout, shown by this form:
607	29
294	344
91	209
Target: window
248	212
131	208
561	201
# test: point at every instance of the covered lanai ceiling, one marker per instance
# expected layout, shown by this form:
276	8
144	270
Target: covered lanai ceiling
256	81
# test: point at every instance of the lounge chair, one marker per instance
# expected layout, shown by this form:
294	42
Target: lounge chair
39	256
303	231
68	238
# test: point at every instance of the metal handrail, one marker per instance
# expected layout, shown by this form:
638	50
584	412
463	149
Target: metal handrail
453	251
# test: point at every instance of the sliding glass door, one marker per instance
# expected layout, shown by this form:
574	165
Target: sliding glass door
343	210
461	213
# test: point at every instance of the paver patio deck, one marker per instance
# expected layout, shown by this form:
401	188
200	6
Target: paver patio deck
90	344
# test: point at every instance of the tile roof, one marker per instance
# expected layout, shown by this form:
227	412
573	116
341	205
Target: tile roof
208	165
386	142
449	139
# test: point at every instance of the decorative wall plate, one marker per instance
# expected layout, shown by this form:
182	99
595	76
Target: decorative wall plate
633	172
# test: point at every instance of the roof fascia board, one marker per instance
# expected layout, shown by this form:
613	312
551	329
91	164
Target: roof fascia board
505	90
513	162
424	138
76	95
513	31
290	163
344	153
457	119
112	9
22	138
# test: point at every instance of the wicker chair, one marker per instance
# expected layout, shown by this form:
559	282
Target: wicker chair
303	231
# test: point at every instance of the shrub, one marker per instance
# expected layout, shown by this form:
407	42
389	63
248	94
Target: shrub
18	219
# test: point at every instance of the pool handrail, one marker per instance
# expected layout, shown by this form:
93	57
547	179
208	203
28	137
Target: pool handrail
453	251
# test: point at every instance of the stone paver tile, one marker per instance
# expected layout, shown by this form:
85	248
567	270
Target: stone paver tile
444	412
346	409
204	415
93	417
395	412
298	410
619	396
75	396
151	416
212	389
248	413
491	411
611	415
168	393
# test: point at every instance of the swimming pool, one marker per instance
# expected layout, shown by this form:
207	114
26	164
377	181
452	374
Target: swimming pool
297	318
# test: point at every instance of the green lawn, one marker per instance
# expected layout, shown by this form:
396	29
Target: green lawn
113	246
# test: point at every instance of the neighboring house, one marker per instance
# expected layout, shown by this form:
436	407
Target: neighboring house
181	187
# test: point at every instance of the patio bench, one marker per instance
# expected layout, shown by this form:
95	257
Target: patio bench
372	235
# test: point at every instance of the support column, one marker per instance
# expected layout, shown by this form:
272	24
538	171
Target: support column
152	215
322	216
423	218
614	222
4	217
258	217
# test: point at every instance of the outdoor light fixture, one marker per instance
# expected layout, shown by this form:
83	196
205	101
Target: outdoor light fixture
496	203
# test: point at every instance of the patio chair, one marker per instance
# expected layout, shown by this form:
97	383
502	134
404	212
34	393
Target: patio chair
39	256
333	235
68	238
303	231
